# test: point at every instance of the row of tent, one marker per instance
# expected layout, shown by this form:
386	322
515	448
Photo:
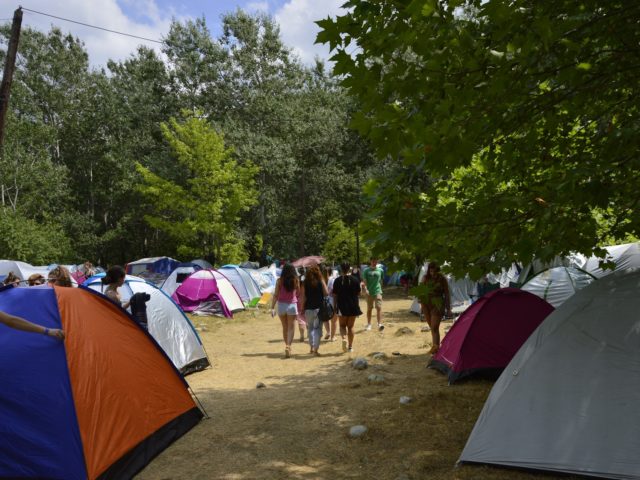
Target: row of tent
205	291
567	393
554	282
488	333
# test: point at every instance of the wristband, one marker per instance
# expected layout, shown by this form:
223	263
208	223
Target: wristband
46	331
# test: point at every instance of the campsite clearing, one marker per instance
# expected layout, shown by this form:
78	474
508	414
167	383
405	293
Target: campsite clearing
298	426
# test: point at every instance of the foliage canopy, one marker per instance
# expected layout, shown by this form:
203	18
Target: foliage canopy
521	116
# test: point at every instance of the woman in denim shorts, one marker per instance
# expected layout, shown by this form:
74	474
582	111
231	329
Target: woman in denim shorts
286	295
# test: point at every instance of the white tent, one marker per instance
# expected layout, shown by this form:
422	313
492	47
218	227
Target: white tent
460	291
243	282
167	324
568	401
624	256
175	279
557	284
265	277
21	269
538	266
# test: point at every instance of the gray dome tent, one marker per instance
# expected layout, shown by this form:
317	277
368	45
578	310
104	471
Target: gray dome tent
568	401
557	284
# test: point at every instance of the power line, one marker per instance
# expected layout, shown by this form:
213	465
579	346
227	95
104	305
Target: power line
91	26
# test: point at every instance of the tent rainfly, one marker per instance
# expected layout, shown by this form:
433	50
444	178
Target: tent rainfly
101	404
167	323
488	334
568	400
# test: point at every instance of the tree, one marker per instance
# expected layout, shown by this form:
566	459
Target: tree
523	115
341	244
202	210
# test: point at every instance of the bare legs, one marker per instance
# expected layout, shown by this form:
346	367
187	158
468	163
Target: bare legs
334	324
346	330
301	327
378	315
288	331
433	317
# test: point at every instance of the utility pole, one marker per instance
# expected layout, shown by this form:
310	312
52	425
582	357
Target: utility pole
7	77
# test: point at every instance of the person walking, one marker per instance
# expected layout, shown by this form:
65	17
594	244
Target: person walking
19	323
437	302
332	324
314	289
286	296
346	292
300	319
372	283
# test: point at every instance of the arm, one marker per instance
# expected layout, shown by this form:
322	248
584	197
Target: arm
301	296
325	289
25	325
276	292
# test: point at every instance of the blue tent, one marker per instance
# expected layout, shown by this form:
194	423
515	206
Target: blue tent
101	404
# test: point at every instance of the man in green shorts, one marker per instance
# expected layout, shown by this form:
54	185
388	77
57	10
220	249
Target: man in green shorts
372	286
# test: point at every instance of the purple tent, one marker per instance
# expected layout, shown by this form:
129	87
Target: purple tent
206	292
489	333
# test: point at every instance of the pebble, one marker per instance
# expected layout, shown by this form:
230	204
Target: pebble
260	385
373	378
425	329
379	356
357	431
360	363
404	331
405	400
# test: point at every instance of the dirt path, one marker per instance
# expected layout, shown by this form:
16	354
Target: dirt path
297	427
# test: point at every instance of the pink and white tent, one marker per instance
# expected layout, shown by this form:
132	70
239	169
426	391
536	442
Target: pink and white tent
202	291
489	333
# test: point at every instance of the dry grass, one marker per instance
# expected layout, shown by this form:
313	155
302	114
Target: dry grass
297	427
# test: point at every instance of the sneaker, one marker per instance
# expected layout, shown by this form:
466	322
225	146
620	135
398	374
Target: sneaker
368	327
344	344
350	350
380	327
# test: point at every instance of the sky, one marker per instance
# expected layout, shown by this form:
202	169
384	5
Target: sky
151	19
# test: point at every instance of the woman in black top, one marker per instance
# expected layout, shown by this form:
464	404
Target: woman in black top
346	291
314	289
